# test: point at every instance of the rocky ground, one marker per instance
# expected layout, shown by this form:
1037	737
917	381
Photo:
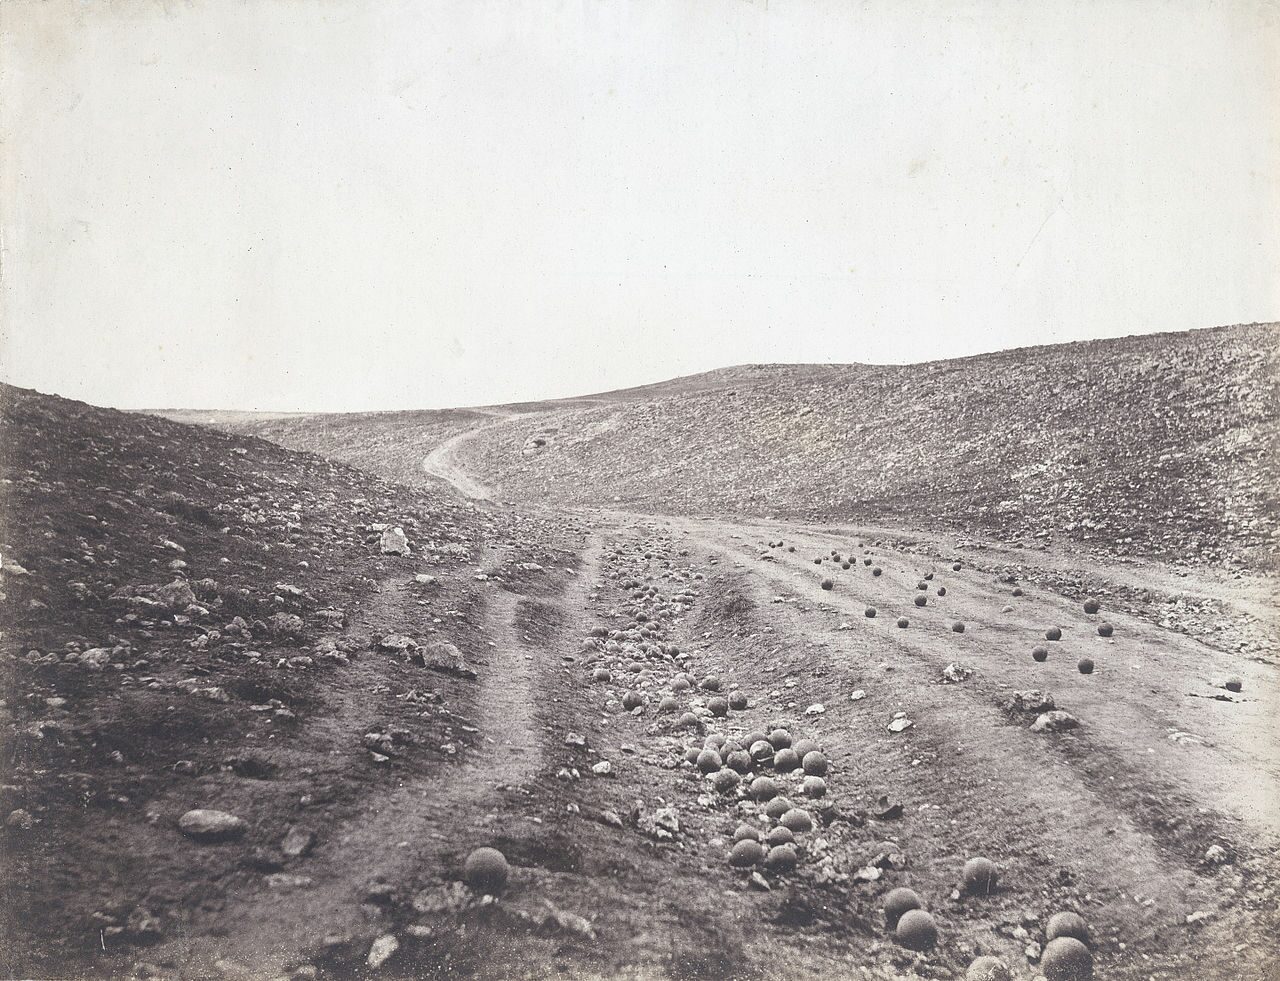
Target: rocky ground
263	706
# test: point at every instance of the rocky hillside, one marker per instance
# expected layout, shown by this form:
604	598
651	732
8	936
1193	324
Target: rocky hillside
190	623
1161	445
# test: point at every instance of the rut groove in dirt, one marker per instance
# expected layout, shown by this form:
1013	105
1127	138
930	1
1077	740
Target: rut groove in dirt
405	829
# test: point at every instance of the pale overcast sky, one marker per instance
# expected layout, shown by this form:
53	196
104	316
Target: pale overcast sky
345	204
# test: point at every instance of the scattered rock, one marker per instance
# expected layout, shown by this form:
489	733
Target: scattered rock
1031	700
297	842
385	947
394	542
1056	721
204	824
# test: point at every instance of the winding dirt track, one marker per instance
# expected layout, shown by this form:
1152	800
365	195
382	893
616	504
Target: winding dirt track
441	462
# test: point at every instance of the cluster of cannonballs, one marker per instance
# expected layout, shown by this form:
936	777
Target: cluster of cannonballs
1066	955
630	655
744	764
1040	653
921	600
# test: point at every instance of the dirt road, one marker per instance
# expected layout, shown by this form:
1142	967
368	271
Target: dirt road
1156	815
441	462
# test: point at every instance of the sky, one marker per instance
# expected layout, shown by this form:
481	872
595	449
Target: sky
375	204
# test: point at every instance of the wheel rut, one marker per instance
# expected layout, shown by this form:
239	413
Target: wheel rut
406	832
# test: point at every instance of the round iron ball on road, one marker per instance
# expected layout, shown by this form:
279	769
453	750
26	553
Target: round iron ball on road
979	876
486	870
897	902
916	930
1066	959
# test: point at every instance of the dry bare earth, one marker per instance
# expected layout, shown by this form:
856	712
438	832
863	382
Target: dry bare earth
1163	446
1154	818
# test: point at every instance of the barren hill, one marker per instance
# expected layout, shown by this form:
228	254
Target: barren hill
1161	445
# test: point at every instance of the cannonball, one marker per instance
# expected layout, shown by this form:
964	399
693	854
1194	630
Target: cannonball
764	788
1017	591
1092	606
1085	665
916	930
928	576
691	755
785	760
897	902
711	683
781	858
957	627
737	701
1067	924
777	807
814	787
877	571
745	853
632	700
828	585
979	876
668	704
870	612
1053	633
688	721
814	763
866	561
804	747
797	819
921	600
752	737
942	590
922	585
955	567
779	835
601	674
1066	959
1105	630
719	707
486	870
709	761
988	968
903	622
714	741
780	738
1040	653
680	683
745	832
739	761
725	781
761	751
